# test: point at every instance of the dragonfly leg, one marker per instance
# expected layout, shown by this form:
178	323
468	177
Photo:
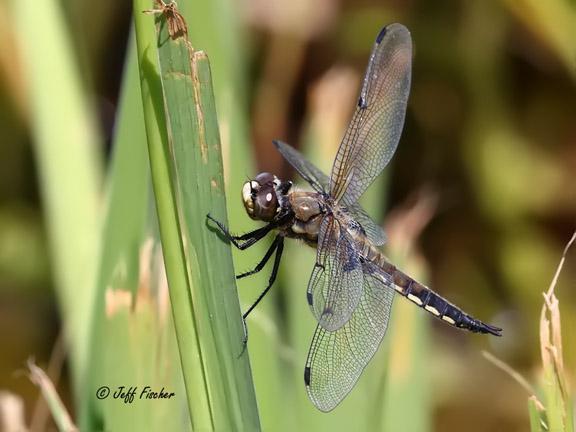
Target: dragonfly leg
243	241
277	257
264	260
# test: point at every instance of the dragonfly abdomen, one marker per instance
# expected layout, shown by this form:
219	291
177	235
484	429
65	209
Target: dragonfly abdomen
425	298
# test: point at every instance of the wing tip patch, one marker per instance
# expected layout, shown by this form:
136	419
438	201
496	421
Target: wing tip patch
362	104
307	375
381	34
309	298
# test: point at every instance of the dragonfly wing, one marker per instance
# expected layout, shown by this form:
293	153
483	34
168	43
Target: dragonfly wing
309	172
373	231
335	286
336	359
373	134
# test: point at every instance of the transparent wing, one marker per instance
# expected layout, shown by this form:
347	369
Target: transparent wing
335	286
336	359
373	134
309	172
373	231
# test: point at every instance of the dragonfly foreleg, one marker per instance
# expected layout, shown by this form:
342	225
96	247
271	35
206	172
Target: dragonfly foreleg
243	241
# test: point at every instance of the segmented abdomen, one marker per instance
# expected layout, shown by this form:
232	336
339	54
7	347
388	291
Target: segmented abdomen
423	296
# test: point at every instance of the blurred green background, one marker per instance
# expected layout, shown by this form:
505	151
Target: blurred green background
478	201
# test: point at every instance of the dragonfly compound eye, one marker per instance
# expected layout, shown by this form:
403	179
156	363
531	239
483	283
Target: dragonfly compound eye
265	203
265	178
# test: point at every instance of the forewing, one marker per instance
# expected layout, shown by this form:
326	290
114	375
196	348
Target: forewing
373	134
335	286
309	172
336	359
373	231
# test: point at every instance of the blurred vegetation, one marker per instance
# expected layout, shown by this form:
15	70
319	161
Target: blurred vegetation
478	201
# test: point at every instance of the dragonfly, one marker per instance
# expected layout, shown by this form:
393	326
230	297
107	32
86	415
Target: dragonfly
352	285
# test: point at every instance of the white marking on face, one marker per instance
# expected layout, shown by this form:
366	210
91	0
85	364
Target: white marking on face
432	309
397	288
415	299
448	320
246	192
269	197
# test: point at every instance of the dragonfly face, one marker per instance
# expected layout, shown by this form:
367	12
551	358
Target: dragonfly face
352	285
259	197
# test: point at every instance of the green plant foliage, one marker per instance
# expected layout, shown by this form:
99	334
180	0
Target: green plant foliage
188	182
145	287
133	336
69	163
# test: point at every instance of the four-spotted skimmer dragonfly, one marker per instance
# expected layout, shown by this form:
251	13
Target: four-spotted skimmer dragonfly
352	284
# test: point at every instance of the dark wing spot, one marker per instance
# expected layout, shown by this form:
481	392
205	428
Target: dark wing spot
309	298
381	35
307	375
362	104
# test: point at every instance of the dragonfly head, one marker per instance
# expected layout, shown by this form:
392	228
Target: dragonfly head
260	196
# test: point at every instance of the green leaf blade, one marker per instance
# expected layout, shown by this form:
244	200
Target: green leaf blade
206	308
